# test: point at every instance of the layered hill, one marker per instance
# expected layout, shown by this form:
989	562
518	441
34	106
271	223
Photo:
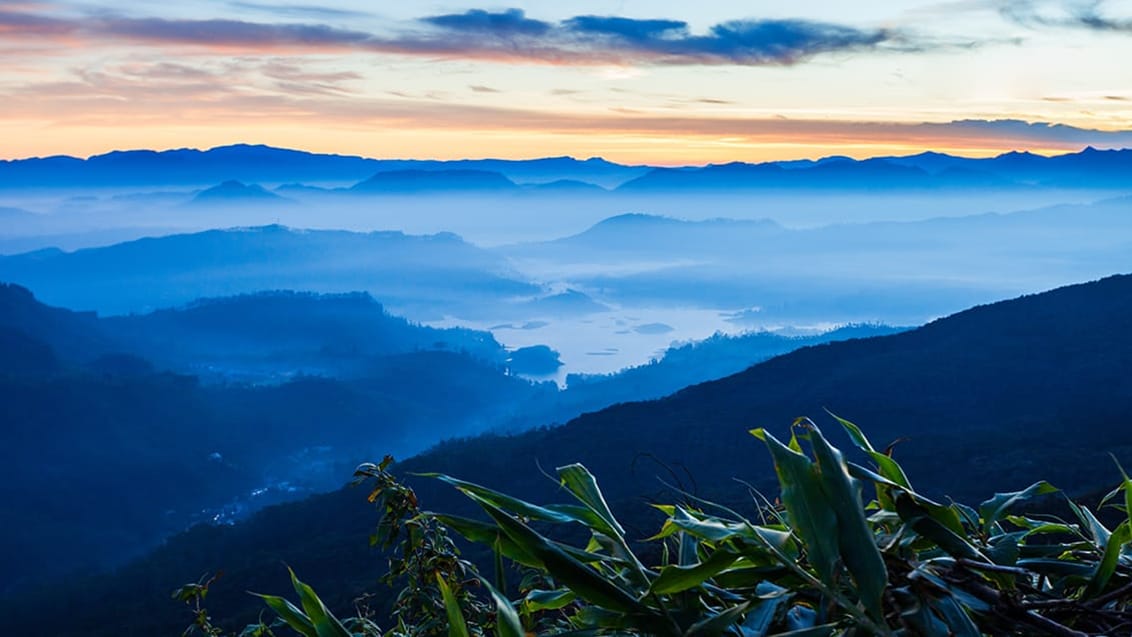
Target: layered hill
894	272
419	271
403	182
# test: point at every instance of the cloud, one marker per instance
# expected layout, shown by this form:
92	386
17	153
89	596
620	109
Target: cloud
591	39
228	33
629	28
1080	15
509	23
480	88
115	97
1031	133
18	23
306	11
508	35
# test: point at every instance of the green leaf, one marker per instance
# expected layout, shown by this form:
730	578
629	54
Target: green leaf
537	600
945	515
689	550
717	624
456	625
959	623
1042	527
1004	548
493	536
1098	532
1109	560
581	483
995	508
291	615
716	530
503	501
887	466
583	580
596	617
325	623
921	521
1126	486
489	534
507	623
807	504
673	579
855	538
854	432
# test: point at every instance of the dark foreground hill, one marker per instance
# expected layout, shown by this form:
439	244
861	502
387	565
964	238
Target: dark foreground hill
105	452
1000	395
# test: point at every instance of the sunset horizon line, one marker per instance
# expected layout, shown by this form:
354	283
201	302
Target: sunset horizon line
833	153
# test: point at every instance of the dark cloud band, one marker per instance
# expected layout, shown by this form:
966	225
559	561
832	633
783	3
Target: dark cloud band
508	35
597	39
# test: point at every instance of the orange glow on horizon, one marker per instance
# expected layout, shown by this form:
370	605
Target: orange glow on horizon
627	147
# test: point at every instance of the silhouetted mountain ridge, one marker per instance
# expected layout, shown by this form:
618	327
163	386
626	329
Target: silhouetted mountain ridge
265	164
1090	168
233	191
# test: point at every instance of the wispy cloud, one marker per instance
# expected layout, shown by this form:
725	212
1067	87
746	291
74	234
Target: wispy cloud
17	22
236	34
303	11
1081	15
209	98
1034	133
508	35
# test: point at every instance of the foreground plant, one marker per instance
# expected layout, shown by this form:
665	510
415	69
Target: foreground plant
823	562
820	563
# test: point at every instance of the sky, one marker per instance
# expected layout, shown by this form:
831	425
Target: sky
634	81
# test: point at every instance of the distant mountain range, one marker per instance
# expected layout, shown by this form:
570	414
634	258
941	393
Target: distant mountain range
1090	168
267	165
